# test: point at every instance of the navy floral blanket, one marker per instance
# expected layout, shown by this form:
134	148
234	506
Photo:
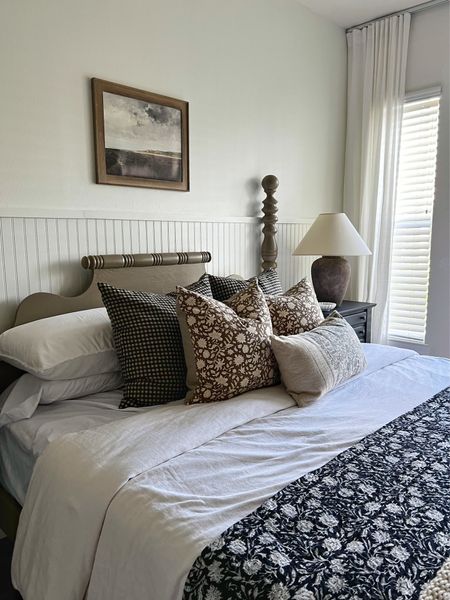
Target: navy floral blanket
373	523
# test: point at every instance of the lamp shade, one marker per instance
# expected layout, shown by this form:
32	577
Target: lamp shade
332	234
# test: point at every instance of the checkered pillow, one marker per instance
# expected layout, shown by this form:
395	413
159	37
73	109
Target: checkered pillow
224	287
202	286
148	342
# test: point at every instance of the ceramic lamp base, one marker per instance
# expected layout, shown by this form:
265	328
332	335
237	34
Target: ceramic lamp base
330	276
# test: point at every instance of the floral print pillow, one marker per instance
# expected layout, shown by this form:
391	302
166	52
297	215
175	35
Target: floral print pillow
296	311
227	348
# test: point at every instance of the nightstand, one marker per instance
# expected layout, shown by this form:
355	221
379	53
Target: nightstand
359	315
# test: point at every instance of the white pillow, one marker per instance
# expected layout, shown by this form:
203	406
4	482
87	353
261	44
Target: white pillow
67	346
21	398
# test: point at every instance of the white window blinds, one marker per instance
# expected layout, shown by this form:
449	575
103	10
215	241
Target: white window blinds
413	220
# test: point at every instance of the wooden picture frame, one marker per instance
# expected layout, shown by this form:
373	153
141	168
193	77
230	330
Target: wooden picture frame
151	132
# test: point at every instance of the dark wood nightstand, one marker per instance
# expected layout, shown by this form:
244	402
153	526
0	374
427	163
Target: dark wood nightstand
359	315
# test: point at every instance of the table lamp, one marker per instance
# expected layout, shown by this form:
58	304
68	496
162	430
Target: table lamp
333	236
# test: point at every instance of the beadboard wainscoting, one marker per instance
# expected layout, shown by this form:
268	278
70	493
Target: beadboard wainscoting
42	253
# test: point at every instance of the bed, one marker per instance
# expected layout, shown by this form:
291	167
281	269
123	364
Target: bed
191	502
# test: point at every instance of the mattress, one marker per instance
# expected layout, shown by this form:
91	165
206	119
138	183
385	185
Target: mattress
22	442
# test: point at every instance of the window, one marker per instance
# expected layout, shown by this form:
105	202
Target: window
413	218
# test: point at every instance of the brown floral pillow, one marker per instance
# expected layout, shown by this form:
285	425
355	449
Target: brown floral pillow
227	348
296	311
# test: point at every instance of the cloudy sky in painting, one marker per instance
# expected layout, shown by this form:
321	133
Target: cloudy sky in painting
136	125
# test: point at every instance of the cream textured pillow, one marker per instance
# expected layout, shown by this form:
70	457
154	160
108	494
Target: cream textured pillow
296	311
313	363
227	348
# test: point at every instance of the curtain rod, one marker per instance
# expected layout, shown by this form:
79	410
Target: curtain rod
412	9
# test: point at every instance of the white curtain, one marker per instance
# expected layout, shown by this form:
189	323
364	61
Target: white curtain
376	87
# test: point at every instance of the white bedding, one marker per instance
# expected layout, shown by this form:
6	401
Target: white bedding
124	509
24	441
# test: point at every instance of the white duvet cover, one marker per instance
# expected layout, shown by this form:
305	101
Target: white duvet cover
121	511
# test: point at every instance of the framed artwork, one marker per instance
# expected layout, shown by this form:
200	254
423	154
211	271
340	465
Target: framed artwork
141	138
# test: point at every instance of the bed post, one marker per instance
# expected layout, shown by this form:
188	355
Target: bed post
269	248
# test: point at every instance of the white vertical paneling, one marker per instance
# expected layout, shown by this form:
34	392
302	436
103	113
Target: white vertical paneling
11	269
33	268
43	253
292	268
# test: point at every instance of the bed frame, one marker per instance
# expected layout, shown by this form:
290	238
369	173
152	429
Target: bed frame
157	273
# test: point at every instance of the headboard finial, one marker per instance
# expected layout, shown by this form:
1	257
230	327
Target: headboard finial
270	184
269	247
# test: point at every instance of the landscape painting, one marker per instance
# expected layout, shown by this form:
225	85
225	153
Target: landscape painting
141	137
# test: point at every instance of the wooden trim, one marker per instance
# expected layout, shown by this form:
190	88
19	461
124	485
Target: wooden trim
269	247
98	87
121	261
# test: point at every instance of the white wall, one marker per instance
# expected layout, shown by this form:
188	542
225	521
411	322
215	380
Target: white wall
265	80
428	65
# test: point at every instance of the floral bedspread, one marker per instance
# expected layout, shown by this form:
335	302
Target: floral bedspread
373	523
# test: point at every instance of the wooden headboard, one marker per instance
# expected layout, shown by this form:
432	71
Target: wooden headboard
158	273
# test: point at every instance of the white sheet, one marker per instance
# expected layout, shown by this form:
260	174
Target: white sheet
21	399
132	512
22	442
